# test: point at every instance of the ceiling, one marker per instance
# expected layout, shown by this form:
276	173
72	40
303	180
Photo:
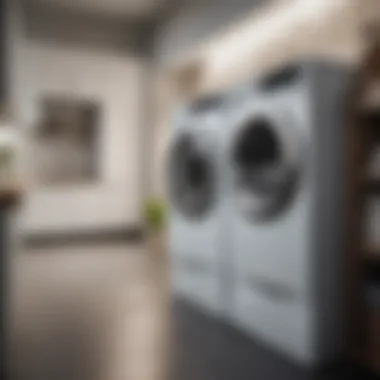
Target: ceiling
137	9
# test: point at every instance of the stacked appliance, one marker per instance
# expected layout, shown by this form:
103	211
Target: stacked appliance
197	192
280	206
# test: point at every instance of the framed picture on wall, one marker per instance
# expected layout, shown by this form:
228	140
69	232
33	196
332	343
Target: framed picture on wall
66	142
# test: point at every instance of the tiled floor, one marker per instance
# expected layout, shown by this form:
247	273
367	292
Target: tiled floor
102	313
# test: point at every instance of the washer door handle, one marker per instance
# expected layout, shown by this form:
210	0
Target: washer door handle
271	289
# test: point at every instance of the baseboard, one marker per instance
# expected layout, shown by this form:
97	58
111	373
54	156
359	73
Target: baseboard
132	234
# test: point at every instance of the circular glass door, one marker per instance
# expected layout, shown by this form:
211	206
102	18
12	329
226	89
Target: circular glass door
265	176
192	175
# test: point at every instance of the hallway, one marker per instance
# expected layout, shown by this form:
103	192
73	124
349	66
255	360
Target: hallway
102	313
88	312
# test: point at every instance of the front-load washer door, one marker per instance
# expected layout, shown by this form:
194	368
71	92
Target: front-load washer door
192	174
270	243
266	156
196	223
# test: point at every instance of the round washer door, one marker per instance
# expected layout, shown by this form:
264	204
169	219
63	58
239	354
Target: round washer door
267	160
192	174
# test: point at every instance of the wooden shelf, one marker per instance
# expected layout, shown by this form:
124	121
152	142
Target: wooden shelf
10	196
371	262
369	117
372	253
370	360
370	356
364	138
372	186
374	326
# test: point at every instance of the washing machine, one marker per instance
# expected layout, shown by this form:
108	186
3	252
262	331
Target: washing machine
197	216
286	153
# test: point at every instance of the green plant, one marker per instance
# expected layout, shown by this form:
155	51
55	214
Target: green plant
155	214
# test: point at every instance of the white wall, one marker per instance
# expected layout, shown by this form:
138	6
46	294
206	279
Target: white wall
115	82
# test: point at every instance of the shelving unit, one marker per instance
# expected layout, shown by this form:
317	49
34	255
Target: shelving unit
363	291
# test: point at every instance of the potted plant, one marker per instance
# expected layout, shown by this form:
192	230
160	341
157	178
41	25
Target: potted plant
155	219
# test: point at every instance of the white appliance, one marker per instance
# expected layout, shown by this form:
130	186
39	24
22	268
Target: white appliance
197	217
286	154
